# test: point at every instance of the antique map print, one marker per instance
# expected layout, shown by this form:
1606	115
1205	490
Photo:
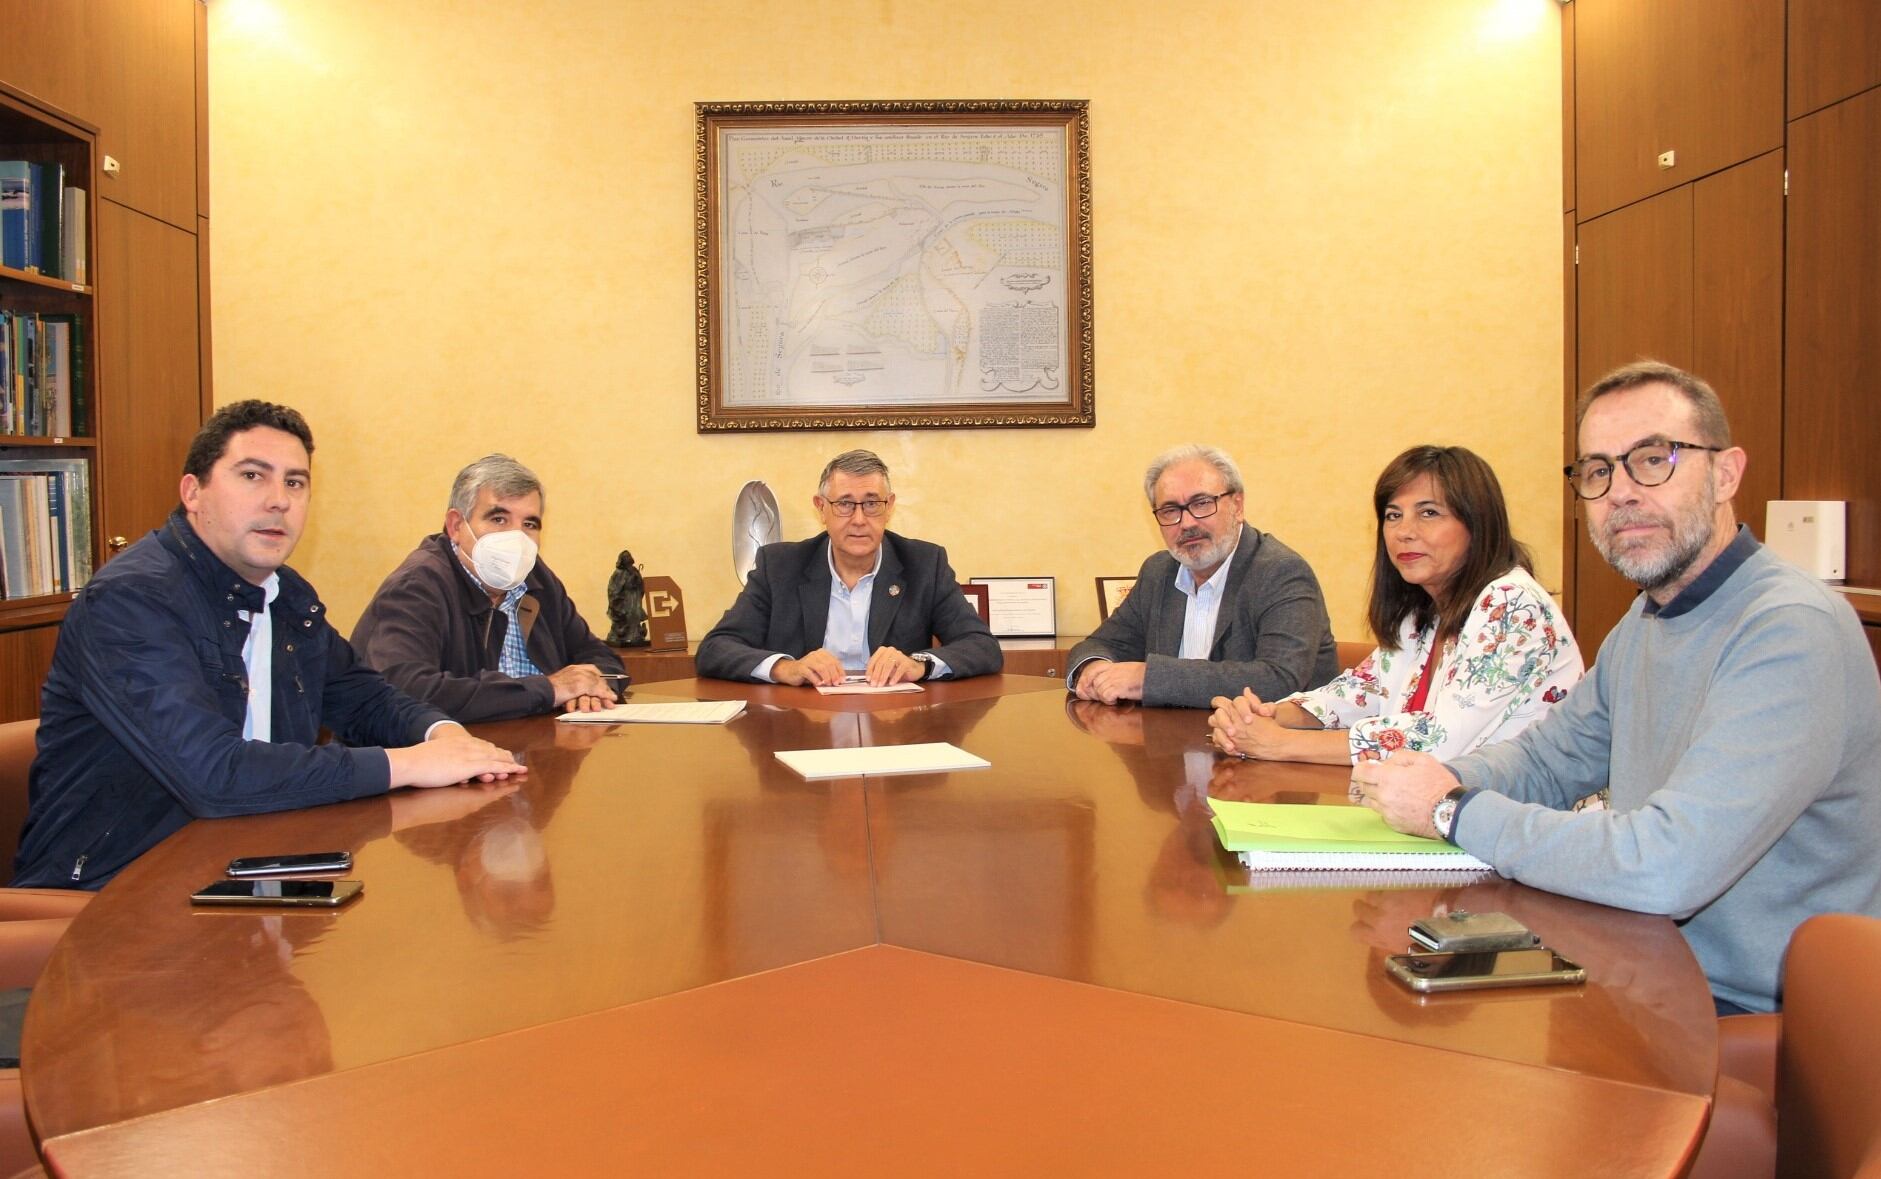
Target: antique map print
893	266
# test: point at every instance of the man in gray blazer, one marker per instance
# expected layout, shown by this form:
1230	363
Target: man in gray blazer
1227	607
857	600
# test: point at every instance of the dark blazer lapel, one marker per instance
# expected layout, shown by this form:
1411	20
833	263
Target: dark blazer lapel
886	600
1245	548
814	593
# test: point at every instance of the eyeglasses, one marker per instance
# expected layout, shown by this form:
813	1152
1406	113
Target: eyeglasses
847	507
1201	507
1648	464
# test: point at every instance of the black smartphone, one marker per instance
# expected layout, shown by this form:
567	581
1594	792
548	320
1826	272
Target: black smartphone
326	894
1428	973
299	864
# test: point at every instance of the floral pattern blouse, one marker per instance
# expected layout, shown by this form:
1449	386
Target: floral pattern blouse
1513	660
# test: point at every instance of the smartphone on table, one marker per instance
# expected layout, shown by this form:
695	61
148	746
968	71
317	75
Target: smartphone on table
297	864
1436	973
322	894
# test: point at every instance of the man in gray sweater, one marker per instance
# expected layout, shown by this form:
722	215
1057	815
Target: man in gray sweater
1227	607
1734	713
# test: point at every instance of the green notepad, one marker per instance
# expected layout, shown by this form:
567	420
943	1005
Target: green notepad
1288	835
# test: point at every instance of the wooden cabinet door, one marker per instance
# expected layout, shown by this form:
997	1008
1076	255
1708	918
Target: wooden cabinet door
1832	358
143	61
1634	302
1700	78
1835	51
1691	277
148	408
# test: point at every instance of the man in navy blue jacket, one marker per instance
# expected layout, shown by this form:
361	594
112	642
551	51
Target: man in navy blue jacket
194	672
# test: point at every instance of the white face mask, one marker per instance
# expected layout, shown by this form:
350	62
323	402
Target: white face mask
502	559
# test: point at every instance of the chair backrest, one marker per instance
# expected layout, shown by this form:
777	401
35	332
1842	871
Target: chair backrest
1829	1058
1351	653
17	746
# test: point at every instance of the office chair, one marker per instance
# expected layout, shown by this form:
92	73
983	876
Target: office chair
1799	1094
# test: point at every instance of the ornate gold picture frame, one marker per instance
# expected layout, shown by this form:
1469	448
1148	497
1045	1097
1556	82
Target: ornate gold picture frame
893	264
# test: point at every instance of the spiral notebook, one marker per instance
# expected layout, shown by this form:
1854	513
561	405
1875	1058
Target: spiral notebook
1272	836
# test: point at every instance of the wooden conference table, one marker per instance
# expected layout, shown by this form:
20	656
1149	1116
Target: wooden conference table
666	953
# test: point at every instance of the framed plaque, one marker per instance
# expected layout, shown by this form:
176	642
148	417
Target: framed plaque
893	264
977	598
1111	591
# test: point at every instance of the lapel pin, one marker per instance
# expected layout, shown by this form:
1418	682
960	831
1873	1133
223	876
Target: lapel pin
894	591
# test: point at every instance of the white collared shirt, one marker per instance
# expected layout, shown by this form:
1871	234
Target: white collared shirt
1202	609
258	660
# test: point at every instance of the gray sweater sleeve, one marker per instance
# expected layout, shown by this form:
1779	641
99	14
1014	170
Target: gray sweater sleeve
1765	741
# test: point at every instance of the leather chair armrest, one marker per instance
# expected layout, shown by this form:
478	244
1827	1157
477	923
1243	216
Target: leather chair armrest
27	904
1747	1051
1740	1142
16	1139
24	948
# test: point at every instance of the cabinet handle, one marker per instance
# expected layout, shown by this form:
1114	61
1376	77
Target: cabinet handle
118	544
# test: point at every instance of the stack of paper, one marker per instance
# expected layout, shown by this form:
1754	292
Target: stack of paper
1267	835
864	688
701	712
934	757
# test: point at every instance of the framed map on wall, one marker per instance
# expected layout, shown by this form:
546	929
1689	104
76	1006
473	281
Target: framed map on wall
893	264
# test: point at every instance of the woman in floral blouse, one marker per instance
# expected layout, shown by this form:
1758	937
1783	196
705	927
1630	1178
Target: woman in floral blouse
1471	648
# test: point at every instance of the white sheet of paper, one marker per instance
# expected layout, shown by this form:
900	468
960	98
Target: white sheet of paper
865	689
933	757
699	712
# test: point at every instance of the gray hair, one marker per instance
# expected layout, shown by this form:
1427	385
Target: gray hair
1713	429
860	463
1213	456
504	476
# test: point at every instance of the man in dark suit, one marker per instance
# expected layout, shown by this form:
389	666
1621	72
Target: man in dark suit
1227	607
859	600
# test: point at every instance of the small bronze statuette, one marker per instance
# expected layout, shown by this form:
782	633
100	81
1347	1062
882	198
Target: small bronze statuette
626	604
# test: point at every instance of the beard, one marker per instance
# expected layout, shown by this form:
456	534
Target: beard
1209	556
1691	526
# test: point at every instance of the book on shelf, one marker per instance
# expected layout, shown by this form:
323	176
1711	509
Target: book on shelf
16	213
43	375
45	525
42	220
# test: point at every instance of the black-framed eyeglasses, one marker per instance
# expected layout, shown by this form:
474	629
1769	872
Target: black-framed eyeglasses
1649	464
1201	507
847	507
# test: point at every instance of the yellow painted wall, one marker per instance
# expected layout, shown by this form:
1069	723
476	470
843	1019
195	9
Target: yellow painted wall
1324	231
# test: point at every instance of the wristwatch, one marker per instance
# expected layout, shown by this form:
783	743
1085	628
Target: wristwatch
1443	815
926	660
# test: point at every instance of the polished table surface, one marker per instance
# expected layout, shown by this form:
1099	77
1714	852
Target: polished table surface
665	951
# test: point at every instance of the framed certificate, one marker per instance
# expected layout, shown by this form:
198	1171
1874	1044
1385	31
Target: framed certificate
1021	607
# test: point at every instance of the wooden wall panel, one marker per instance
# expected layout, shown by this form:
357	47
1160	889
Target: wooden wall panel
1737	315
1835	51
43	51
1702	78
1832	357
1567	108
143	61
150	409
1571	390
25	658
1634	302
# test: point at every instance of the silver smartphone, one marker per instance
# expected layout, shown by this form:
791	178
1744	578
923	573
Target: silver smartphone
1462	932
297	864
324	894
1433	973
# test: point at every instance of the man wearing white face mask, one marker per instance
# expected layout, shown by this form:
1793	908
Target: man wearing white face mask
473	623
